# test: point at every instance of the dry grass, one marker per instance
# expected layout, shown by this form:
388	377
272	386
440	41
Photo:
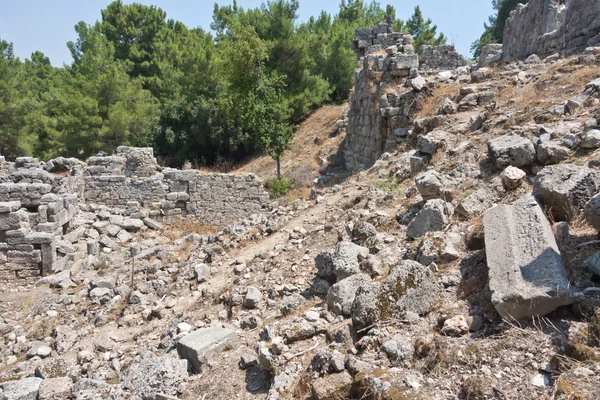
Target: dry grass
560	82
186	226
315	139
432	103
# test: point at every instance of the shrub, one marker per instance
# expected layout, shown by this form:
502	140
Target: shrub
279	187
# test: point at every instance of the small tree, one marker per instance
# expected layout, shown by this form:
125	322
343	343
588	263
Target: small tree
423	31
254	102
272	134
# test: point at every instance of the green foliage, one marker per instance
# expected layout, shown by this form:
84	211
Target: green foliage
494	29
423	31
138	78
279	187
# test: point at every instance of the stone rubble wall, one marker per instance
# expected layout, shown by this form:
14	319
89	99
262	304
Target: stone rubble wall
134	175
439	58
383	101
546	27
39	202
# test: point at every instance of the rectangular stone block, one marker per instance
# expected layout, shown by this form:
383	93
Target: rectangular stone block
9	206
526	273
24	257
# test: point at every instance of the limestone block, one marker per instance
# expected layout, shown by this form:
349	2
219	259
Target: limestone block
526	273
199	346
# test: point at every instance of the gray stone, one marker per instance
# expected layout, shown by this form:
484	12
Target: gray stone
291	302
437	248
591	139
55	389
565	189
433	217
199	346
455	326
253	297
324	264
101	295
87	389
24	389
551	152
150	375
512	150
399	350
526	273
332	387
409	287
432	142
347	258
152	224
447	107
432	185
108	242
341	295
202	272
592	212
39	349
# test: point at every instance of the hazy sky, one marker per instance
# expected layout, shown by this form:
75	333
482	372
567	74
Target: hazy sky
48	25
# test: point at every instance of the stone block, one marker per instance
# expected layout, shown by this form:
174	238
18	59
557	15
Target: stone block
565	189
526	273
201	345
512	150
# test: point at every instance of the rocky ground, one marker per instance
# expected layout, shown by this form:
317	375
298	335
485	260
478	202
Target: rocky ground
374	287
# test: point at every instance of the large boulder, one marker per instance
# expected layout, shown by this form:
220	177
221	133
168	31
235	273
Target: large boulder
512	150
409	287
341	295
526	273
433	217
150	375
24	389
199	346
565	189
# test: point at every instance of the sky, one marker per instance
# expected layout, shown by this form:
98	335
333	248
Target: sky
47	26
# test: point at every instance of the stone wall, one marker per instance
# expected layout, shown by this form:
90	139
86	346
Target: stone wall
133	175
546	27
29	232
387	93
438	58
39	202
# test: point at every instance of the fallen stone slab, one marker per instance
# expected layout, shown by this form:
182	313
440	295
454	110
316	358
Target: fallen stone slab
199	346
526	273
565	189
152	224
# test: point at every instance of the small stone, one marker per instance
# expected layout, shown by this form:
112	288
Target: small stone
512	177
455	326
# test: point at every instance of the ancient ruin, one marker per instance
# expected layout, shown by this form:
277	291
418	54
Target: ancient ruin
39	202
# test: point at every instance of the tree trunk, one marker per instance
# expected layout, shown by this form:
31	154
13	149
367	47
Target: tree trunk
278	169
